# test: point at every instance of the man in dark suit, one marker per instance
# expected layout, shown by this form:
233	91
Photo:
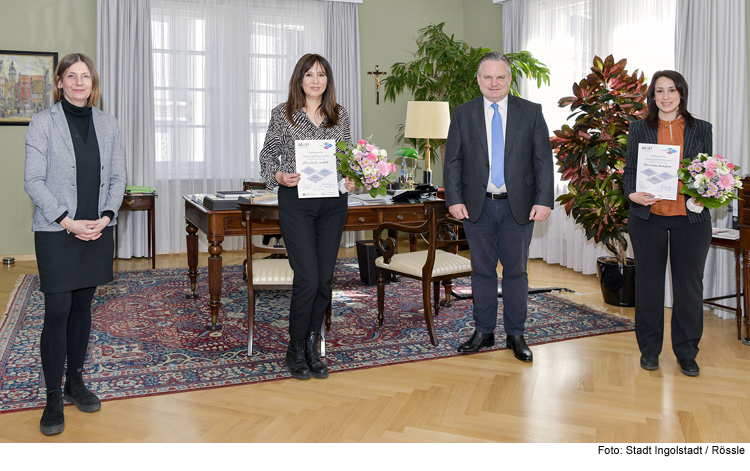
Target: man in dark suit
498	179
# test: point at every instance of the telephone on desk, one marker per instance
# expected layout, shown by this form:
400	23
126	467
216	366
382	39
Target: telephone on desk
420	193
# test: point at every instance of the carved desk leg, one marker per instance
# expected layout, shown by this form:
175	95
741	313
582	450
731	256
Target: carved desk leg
192	254
214	284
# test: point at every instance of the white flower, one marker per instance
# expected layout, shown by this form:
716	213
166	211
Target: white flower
383	153
700	180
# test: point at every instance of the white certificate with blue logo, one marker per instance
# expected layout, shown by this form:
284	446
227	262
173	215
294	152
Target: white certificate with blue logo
316	164
657	170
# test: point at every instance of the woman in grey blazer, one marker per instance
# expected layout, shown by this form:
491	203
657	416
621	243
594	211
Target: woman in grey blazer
75	176
680	229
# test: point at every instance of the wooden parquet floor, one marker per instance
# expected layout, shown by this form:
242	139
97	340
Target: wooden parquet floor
585	390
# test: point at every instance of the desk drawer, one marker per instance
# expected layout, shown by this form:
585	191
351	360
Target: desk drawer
234	223
403	216
136	203
362	219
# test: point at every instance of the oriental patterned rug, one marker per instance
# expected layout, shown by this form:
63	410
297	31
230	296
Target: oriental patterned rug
147	338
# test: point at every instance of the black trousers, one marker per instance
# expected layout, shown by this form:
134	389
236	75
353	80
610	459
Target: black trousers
497	236
311	228
67	325
687	245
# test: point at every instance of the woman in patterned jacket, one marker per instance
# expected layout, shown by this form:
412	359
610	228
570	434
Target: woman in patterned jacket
311	227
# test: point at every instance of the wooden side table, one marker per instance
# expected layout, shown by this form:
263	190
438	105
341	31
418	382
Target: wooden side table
733	244
144	203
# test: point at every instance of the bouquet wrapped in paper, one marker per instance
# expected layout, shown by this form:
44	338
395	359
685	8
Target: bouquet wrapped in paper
711	180
366	165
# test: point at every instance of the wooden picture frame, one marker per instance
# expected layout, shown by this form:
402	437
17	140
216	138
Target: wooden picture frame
27	84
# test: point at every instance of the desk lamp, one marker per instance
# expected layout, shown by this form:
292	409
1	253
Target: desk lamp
427	120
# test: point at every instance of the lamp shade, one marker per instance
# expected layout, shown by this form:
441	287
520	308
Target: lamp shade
427	120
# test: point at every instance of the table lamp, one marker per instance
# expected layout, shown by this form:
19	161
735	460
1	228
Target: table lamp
427	120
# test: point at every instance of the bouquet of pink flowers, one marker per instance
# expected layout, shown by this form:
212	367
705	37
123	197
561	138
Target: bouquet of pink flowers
367	165
711	180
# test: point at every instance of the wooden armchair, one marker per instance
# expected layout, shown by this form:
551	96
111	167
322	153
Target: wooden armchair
430	266
267	273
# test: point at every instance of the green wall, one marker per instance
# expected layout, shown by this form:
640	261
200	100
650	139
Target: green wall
61	26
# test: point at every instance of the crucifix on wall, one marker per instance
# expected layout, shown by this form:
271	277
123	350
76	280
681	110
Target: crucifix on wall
377	73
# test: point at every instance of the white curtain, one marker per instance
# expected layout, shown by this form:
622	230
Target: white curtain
124	64
342	51
712	55
566	35
220	66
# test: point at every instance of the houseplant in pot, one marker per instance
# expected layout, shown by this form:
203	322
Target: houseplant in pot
444	69
591	156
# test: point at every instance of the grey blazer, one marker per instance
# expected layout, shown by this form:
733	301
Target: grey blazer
698	138
50	170
528	159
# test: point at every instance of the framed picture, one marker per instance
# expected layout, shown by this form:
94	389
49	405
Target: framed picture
27	83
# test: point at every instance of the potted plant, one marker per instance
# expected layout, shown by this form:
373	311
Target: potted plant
444	69
591	156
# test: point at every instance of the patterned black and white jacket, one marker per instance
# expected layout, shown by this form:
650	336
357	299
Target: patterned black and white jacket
278	147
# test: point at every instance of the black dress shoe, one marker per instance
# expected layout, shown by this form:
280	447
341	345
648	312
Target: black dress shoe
477	341
689	367
519	347
650	362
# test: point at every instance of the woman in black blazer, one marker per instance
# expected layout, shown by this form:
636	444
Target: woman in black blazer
680	229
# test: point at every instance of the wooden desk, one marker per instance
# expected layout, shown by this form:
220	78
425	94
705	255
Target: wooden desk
144	203
219	224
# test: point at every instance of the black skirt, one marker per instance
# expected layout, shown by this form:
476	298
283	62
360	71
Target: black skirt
66	263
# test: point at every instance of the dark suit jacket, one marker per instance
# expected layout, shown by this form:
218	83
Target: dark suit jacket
698	139
528	158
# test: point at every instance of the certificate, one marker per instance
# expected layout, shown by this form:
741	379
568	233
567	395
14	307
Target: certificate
316	164
657	170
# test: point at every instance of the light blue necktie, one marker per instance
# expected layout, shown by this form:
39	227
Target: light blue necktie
498	149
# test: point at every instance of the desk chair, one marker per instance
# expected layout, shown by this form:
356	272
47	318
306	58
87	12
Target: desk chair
430	266
267	273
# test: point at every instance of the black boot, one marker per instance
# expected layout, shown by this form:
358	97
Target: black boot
53	417
318	368
295	359
77	393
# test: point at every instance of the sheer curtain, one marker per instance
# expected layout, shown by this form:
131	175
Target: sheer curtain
124	63
566	35
220	66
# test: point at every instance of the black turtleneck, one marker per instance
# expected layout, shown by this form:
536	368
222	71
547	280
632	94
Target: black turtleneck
78	118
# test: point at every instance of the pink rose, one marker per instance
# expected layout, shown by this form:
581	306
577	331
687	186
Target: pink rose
711	163
710	173
361	142
719	157
370	147
372	157
731	166
393	167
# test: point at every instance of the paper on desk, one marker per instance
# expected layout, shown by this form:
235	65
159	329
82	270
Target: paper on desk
729	234
367	199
